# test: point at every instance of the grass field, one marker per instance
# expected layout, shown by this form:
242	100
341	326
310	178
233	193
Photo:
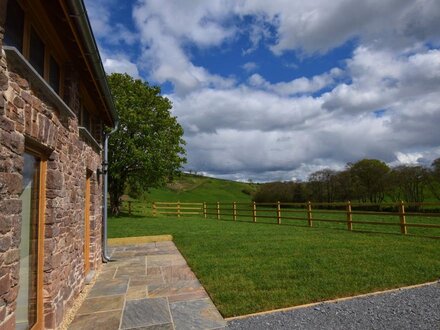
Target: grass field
194	188
249	267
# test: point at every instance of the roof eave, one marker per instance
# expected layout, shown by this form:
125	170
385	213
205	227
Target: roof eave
86	33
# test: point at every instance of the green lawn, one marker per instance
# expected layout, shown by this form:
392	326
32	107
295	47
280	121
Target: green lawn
248	267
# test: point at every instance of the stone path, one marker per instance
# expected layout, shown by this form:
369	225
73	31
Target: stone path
148	286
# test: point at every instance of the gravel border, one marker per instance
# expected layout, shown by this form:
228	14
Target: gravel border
406	308
71	312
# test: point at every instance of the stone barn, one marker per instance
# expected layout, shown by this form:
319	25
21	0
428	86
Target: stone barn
55	105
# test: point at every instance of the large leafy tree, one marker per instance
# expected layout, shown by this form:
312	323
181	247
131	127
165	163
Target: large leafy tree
369	176
147	149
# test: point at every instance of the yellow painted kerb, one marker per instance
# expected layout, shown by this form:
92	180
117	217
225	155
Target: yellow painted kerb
139	240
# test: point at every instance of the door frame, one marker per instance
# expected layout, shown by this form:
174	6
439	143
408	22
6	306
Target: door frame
41	153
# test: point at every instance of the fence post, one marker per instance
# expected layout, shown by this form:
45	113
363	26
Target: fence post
309	214
218	210
403	229
234	211
349	217
254	212
154	209
204	209
178	209
278	212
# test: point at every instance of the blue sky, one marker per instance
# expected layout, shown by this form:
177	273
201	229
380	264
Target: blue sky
274	90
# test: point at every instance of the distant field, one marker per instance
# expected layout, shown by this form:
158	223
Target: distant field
249	267
194	188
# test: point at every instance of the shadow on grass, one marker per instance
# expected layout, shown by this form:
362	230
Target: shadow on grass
355	231
124	214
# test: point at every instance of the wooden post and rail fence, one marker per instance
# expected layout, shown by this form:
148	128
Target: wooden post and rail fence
353	215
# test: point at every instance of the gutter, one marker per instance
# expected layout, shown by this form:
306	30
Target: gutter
79	15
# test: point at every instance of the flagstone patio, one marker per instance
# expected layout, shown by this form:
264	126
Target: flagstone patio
147	286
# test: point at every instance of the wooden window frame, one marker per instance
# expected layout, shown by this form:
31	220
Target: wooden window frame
87	105
35	150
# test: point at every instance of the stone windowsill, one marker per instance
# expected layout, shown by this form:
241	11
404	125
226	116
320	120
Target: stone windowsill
36	81
86	134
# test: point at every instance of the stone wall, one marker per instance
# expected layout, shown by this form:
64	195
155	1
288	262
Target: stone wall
11	164
25	112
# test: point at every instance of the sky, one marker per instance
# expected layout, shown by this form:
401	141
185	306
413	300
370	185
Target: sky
275	90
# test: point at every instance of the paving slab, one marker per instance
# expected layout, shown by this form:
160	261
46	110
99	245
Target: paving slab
102	304
145	312
102	320
196	314
147	286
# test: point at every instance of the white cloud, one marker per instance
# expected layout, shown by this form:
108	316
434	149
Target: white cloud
243	108
250	66
320	25
164	55
120	65
382	79
103	26
299	85
408	158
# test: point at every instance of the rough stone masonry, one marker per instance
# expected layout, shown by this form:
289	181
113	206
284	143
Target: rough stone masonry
27	115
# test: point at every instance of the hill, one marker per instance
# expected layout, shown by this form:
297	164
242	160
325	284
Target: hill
196	188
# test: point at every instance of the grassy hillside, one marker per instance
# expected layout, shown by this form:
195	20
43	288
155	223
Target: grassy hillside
195	188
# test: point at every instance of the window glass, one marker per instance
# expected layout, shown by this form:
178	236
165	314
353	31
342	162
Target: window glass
85	119
26	314
36	53
54	75
14	26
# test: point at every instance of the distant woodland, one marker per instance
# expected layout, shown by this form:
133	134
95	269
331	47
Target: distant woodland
367	181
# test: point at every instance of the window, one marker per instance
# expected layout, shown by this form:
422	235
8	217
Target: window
84	119
14	25
54	75
36	52
30	295
20	33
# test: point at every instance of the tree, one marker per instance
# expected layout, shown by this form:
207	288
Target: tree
274	191
434	181
322	185
369	174
345	186
147	149
407	183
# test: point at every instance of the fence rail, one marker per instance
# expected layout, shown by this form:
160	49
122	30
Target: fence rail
177	208
311	214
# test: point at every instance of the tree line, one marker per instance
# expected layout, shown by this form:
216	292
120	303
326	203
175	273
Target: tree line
367	181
